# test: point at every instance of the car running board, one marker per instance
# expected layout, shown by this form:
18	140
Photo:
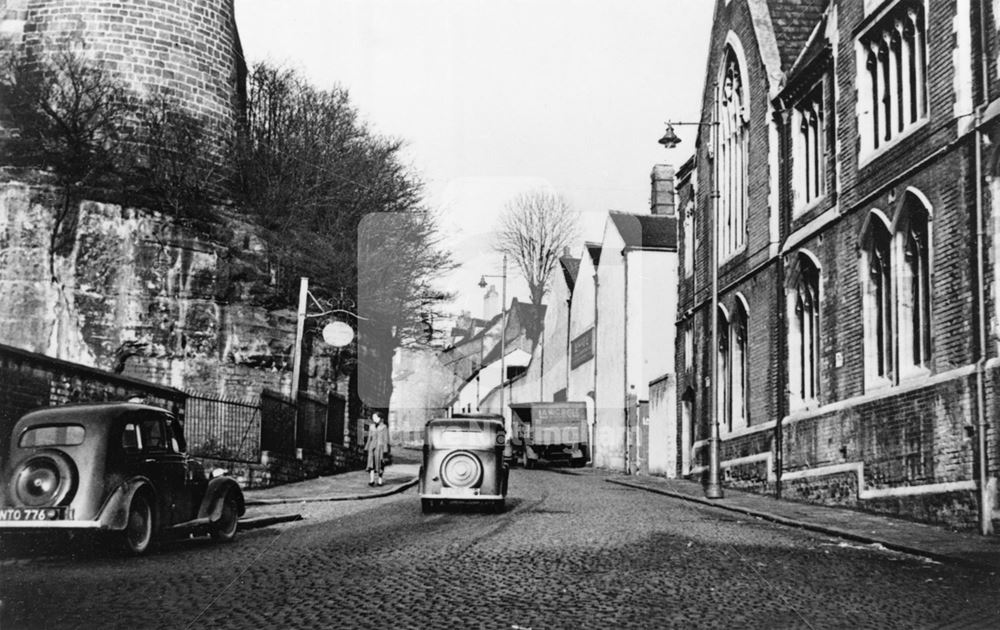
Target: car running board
195	522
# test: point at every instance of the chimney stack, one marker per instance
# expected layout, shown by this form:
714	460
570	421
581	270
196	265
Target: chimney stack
491	303
662	197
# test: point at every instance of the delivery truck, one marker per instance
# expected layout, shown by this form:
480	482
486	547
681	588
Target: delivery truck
550	432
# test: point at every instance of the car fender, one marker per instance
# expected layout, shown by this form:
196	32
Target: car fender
114	512
211	503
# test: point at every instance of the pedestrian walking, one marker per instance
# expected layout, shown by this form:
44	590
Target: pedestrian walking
376	446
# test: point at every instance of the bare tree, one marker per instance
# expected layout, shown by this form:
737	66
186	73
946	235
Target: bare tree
69	114
533	231
340	207
173	163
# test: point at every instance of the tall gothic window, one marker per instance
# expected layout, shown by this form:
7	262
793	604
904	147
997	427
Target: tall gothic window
809	149
914	302
878	301
739	410
804	340
892	87
731	161
723	392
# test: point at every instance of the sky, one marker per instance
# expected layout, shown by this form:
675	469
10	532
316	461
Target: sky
499	97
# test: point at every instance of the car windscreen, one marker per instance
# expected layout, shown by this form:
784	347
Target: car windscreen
476	439
52	435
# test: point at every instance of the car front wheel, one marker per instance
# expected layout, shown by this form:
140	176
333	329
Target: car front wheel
224	529
138	535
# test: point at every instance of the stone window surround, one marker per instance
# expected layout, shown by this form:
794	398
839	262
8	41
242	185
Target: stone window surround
903	350
803	304
809	150
732	147
892	84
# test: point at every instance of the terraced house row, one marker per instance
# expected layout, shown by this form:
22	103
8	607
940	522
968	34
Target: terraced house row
848	153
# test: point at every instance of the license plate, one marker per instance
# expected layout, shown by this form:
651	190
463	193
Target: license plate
32	514
459	492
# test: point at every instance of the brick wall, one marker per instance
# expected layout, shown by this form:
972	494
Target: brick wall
32	380
280	469
188	47
908	449
750	275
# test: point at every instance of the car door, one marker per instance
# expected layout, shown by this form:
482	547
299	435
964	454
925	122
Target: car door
156	459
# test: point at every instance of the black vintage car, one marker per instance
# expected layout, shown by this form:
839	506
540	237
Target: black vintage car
463	461
114	468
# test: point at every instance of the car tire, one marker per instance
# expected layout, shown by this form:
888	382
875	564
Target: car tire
427	505
224	529
137	537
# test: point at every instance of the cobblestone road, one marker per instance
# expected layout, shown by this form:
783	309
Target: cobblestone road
570	552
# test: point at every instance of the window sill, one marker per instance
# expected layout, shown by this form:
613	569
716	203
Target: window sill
877	383
913	373
797	404
732	256
806	208
866	158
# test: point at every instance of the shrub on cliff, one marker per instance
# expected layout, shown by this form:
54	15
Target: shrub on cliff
70	114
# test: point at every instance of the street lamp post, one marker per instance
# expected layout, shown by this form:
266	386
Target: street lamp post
503	332
713	489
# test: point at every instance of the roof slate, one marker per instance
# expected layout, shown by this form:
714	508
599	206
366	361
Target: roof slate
594	251
793	22
570	268
646	231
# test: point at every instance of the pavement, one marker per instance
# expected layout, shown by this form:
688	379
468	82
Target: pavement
267	506
936	543
278	504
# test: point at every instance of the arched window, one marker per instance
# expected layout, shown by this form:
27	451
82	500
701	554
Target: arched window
803	333
723	399
913	292
877	299
739	411
731	161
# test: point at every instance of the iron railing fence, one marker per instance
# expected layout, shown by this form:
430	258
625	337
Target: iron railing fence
312	419
277	422
239	430
222	428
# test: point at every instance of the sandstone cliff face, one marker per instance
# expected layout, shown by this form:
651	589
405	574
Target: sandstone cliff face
135	289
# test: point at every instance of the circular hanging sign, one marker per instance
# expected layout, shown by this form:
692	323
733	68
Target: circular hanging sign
338	334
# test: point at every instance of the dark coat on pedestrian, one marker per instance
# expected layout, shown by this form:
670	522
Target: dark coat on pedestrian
376	445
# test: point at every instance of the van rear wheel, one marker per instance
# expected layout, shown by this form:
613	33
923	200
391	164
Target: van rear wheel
427	505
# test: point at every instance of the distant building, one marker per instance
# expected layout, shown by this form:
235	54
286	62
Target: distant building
608	331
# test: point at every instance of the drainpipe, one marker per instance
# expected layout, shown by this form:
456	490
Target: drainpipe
985	502
782	118
593	427
569	345
625	390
